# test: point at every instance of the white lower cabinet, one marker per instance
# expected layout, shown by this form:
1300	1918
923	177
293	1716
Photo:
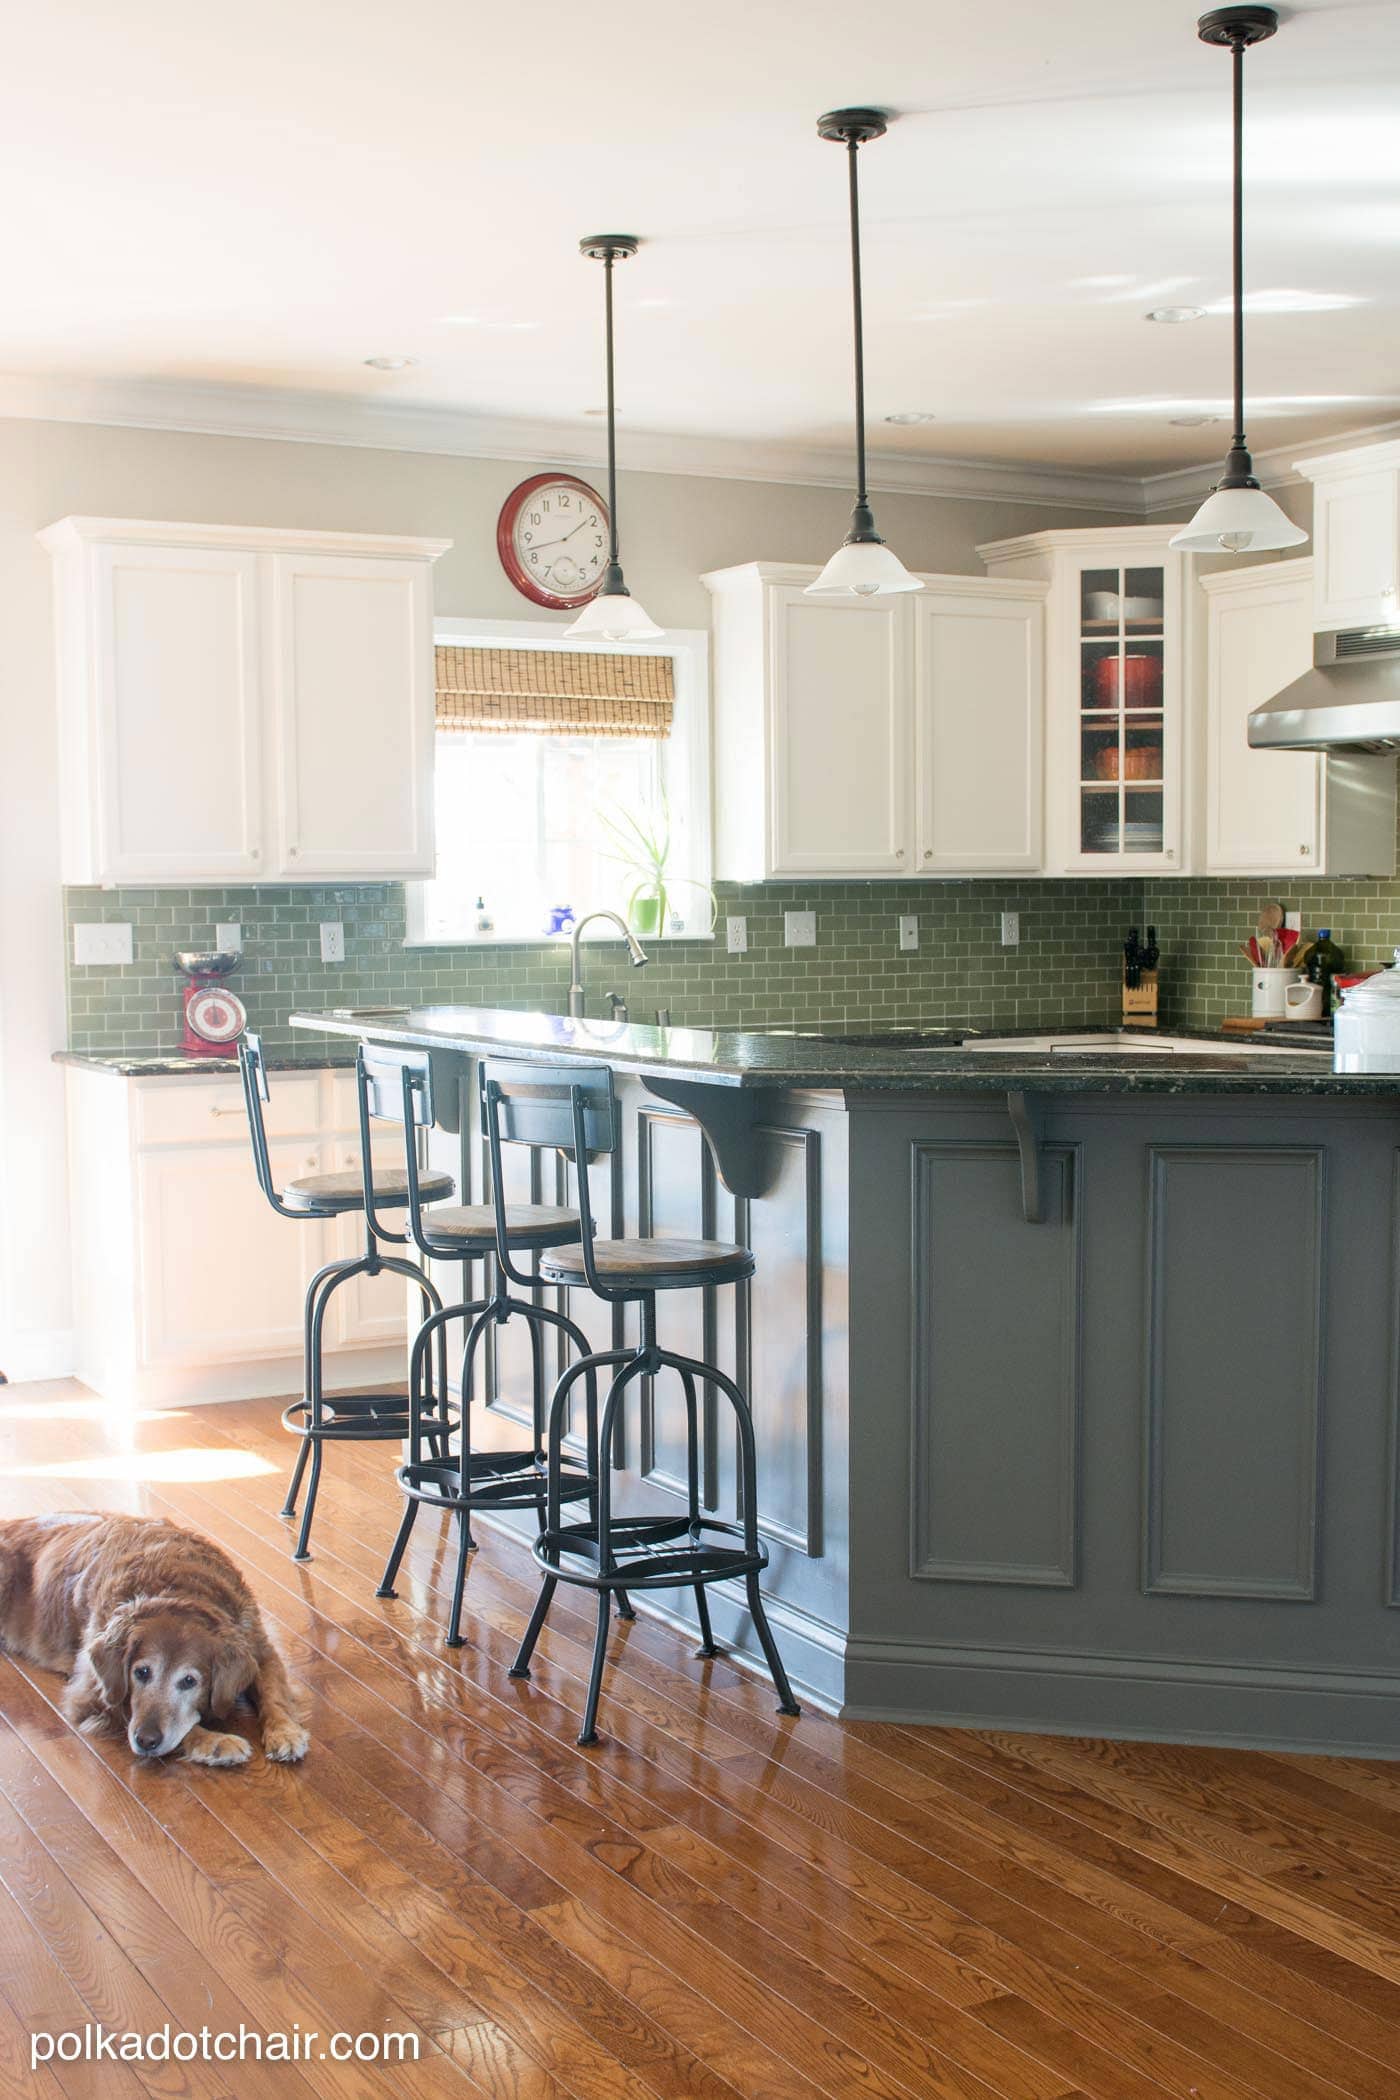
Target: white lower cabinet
188	1285
1280	812
883	736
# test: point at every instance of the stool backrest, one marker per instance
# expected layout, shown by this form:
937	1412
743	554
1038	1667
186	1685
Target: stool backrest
252	1068
570	1109
394	1086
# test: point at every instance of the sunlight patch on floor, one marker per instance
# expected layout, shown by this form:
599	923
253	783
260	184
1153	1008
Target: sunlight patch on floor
86	1410
190	1465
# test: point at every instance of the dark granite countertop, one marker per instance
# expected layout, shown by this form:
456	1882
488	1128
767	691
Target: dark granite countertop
174	1064
933	1062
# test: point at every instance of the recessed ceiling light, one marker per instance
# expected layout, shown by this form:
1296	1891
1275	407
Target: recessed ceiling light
1191	422
483	321
390	364
913	415
1173	314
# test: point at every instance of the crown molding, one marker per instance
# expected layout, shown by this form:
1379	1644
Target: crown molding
292	417
1187	486
326	419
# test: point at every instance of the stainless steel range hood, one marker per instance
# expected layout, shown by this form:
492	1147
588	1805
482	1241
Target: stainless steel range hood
1349	701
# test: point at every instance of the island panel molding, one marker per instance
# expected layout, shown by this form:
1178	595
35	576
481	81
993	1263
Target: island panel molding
1393	1516
676	1200
780	1339
998	1312
1234	1391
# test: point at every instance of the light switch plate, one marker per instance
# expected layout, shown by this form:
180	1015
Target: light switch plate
1011	929
228	940
332	941
736	936
800	929
908	933
109	944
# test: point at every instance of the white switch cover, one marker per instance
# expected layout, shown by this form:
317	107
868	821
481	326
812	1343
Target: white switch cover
109	944
332	941
908	934
736	936
800	929
228	940
1011	929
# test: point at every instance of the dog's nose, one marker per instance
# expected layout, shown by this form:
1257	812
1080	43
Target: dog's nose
147	1743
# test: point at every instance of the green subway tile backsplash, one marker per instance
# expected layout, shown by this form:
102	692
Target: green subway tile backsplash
854	977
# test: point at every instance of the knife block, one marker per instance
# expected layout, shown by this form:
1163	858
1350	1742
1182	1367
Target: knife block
1140	1000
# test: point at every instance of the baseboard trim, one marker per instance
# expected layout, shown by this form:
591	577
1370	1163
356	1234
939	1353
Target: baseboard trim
48	1353
277	1377
1240	1705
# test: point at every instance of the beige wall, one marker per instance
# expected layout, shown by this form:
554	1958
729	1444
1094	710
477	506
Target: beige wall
676	527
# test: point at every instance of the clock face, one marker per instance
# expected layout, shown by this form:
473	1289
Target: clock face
552	537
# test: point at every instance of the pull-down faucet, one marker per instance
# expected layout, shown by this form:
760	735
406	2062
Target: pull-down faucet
636	955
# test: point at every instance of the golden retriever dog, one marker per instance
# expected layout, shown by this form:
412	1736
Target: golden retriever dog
155	1628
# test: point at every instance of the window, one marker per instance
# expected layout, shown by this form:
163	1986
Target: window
545	801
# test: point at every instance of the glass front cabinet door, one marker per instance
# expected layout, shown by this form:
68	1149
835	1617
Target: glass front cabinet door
1115	650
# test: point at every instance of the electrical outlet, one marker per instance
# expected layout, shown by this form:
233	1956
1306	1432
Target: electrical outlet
1011	929
908	934
800	929
228	940
332	941
110	944
736	936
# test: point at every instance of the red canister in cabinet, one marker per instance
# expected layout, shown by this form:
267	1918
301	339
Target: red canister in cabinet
1141	681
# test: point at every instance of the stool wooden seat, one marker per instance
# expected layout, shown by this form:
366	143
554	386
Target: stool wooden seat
527	1225
651	1265
329	1194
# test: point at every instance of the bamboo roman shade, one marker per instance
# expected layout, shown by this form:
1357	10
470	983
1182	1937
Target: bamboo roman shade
558	692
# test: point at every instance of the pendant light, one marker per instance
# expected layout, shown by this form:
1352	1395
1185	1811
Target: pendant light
614	615
1238	516
863	565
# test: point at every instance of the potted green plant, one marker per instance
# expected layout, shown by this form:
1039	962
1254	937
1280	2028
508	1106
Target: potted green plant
642	848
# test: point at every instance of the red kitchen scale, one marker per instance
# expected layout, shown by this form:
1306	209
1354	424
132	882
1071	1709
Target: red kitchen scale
214	1016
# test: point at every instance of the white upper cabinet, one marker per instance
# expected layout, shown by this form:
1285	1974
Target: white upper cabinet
979	685
840	744
1280	812
1115	695
847	738
241	705
1356	536
353	708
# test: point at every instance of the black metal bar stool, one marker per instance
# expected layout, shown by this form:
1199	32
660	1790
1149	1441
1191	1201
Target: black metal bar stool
344	1418
398	1085
611	1553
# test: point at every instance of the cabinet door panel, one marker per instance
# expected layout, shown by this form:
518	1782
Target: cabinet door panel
176	663
841	742
1356	535
979	710
354	712
368	1308
1261	806
222	1276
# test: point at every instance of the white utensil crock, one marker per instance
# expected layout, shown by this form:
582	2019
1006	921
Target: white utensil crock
1271	993
1303	1001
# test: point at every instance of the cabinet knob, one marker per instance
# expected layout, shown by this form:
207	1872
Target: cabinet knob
1305	851
928	853
291	852
310	1161
899	853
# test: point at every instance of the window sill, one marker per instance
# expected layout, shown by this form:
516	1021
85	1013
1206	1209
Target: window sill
553	940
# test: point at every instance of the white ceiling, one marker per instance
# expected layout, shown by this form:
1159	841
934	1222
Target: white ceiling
263	196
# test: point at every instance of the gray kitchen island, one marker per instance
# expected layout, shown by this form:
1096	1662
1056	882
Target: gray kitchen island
1074	1377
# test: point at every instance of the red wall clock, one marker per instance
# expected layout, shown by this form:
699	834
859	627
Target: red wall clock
552	537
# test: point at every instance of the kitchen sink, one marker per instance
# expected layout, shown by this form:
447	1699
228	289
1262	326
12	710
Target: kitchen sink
1135	1046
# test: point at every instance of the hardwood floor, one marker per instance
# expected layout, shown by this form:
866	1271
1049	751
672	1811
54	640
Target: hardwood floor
716	1904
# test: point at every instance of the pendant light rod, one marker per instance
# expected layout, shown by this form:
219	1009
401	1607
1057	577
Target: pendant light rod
1237	28
854	128
610	248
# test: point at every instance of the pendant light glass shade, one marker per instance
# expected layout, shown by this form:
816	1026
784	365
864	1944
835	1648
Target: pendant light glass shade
863	566
1238	517
1238	521
614	614
616	617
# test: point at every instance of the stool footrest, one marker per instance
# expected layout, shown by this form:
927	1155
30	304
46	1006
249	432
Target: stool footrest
495	1480
361	1417
650	1553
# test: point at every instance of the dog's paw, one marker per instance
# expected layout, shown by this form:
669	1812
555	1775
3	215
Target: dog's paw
286	1743
210	1749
